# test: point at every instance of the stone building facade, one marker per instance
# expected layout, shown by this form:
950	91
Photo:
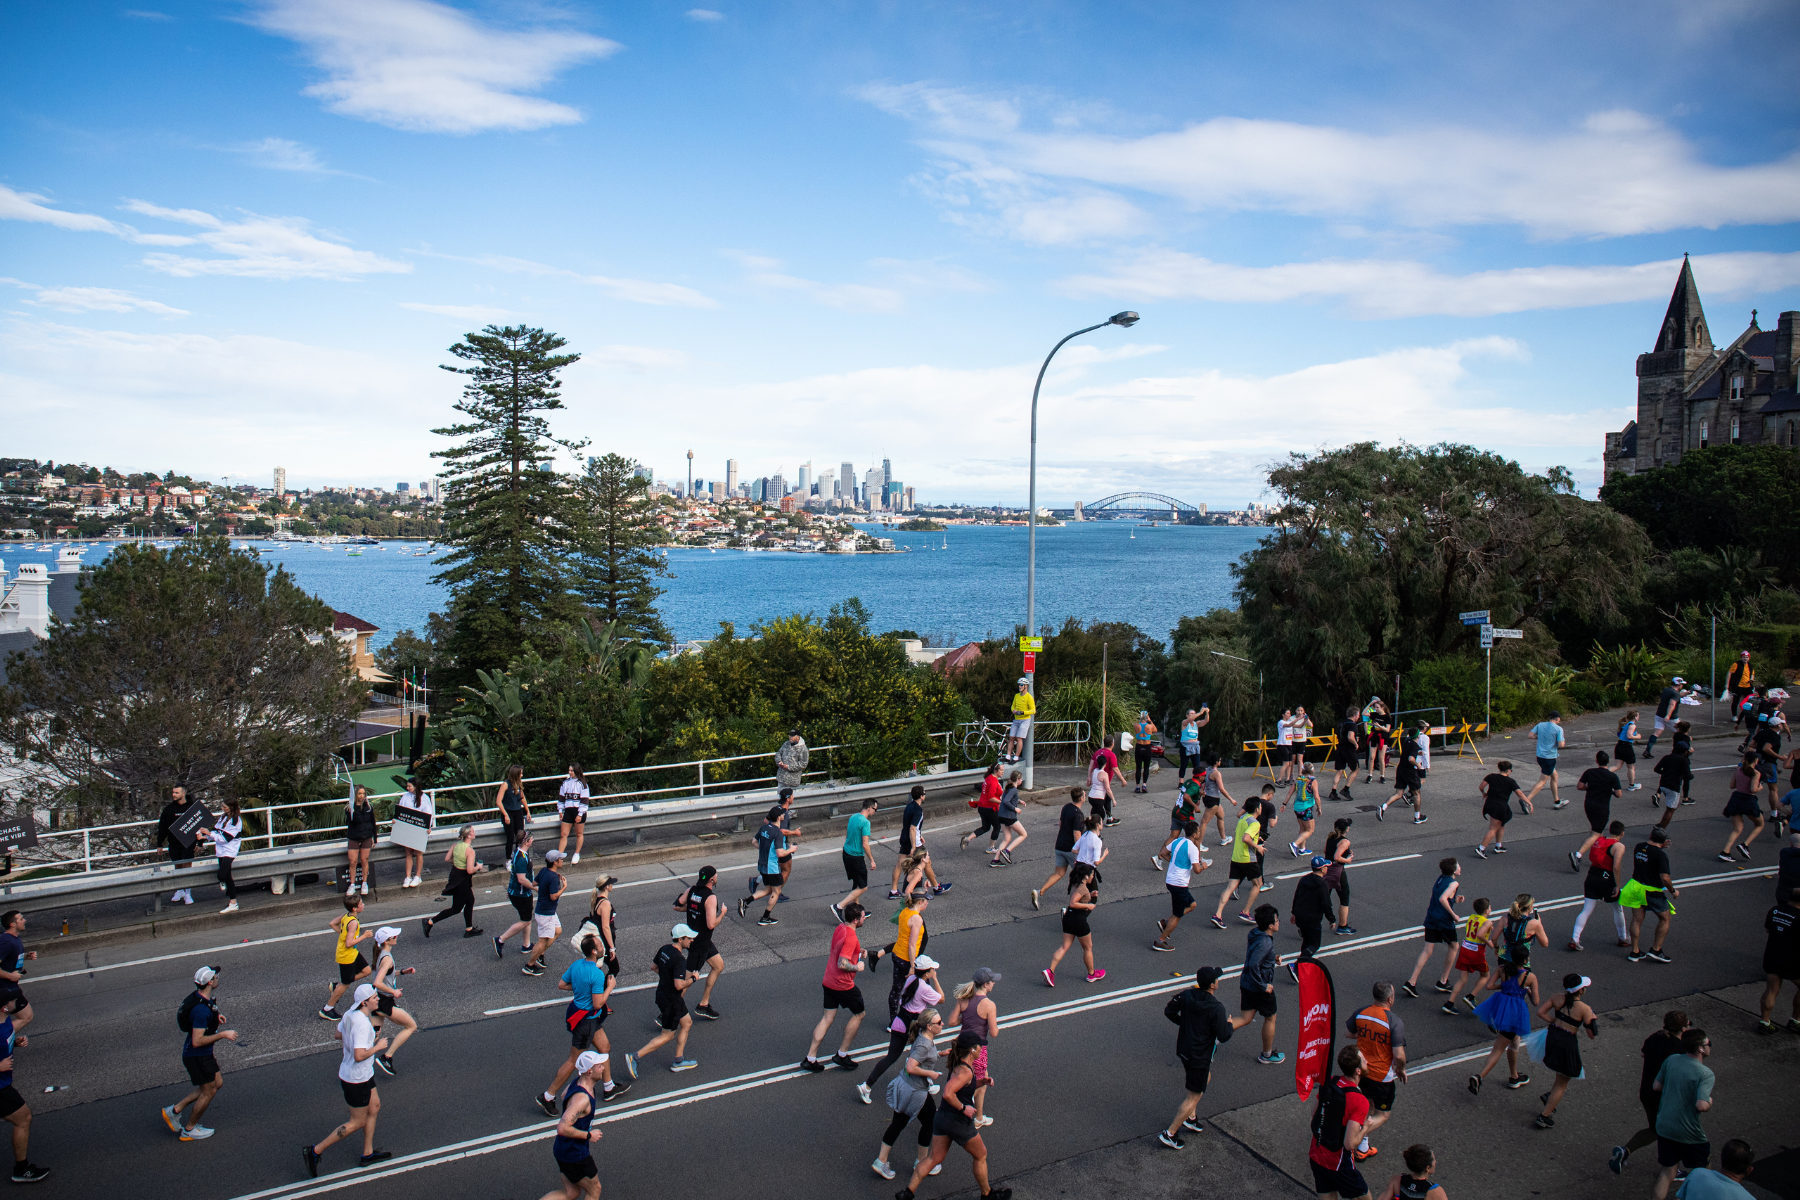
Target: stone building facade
1693	394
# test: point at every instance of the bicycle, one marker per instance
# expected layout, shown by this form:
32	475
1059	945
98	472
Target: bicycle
983	740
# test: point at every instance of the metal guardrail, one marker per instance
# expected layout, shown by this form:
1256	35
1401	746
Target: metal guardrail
282	864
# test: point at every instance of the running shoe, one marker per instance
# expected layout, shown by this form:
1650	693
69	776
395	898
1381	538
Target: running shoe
1441	986
1474	1085
864	1094
1480	852
996	861
385	1062
631	1065
1111	821
1346	930
1544	1121
1172	1141
683	1064
425	924
939	890
1725	856
768	918
1574	862
811	1064
893	895
1616	1163
1334	794
1246	918
750	884
30	1173
707	1011
310	1157
1193	1126
369	1160
744	904
1518	1081
1573	947
1381	811
1272	1060
1410	990
1560	804
1157	862
1657	956
577	859
1635	956
1293	850
526	947
1420	819
172	1119
531	969
1201	847
1007	855
549	1105
1793	1025
982	1122
1449	1009
1347	796
230	908
1160	944
1293	973
328	1013
198	1133
1745	851
1268	886
1364	1155
1034	900
1636	787
840	1059
882	1169
500	949
619	1088
475	932
1050	979
1498	848
1219	923
836	912
1096	976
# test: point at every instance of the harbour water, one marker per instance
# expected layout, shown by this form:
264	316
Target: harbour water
961	585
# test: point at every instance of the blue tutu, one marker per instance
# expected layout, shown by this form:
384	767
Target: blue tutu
1506	1012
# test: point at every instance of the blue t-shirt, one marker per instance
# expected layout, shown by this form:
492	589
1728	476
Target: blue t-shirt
1705	1184
587	980
1549	735
548	883
768	841
12	953
6	1036
201	1015
854	833
1792	800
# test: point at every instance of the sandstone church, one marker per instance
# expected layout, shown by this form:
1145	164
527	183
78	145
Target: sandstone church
1692	394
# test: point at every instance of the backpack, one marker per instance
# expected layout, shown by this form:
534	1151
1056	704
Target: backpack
184	1016
1328	1117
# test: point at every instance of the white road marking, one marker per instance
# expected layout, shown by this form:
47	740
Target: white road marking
1373	863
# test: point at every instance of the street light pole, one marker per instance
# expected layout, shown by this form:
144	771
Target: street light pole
1124	320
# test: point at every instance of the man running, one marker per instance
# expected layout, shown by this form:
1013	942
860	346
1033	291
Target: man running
1549	735
1667	706
1780	964
1440	925
589	988
1676	772
1337	1125
550	885
351	964
1381	1040
1344	755
1068	831
1204	1023
859	855
1246	859
912	837
772	855
1256	986
12	1105
702	913
1024	709
1650	890
790	838
1685	1085
1598	785
575	1133
1657	1049
1184	860
1409	774
13	957
841	965
356	1074
673	977
199	1018
1740	678
1311	905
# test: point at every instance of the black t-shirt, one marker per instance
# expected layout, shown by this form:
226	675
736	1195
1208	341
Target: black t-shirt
1782	953
1659	1047
912	816
1787	874
1311	897
1601	784
1346	735
1500	789
1649	864
1204	1024
1070	827
671	965
1665	704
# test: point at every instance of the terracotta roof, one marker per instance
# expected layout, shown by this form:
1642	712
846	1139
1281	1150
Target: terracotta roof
340	621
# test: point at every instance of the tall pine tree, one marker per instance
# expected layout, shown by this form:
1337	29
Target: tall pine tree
616	538
507	512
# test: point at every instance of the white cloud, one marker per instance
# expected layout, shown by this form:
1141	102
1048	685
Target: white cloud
145	15
931	275
280	154
464	312
1393	288
1618	173
764	272
417	65
637	358
636	291
24	206
261	247
704	14
94	299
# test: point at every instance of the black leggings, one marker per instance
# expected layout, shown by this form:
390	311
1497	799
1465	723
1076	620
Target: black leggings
990	820
1143	766
225	878
927	1112
462	900
514	826
896	1048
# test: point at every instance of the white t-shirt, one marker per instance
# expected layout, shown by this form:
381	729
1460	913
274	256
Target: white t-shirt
422	803
228	837
1284	733
1183	855
359	1034
1088	847
574	794
1097	783
1424	741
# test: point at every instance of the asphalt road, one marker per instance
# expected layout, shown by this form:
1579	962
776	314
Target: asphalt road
1078	1068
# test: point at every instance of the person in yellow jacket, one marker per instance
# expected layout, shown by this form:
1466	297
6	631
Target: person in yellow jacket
1024	708
1740	677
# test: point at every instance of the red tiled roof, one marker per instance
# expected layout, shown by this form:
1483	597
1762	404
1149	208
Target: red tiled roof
340	621
958	659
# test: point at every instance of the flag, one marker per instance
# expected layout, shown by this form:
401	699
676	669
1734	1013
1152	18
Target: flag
1318	1026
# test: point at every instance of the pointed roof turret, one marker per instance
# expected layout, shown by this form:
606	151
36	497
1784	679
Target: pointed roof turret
1684	325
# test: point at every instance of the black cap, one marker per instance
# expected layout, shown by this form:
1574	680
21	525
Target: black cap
1207	976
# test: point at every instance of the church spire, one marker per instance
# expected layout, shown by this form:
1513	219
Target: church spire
1684	325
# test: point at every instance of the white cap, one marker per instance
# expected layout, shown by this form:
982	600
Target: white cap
587	1061
204	976
364	993
682	931
386	934
924	962
553	855
1678	680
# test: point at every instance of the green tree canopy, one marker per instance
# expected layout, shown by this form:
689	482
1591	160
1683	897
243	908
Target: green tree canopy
616	556
1722	498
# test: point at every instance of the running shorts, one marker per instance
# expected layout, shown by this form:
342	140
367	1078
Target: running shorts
1599	885
545	925
523	905
1471	961
909	840
1381	1095
1260	1002
849	999
357	1095
1194	1078
856	869
1447	935
1180	899
582	1034
1344	758
201	1068
1781	966
1742	804
1246	870
1669	797
575	1172
1546	766
1598	815
1498	812
1625	752
10	1101
1278	755
1692	1155
573	816
700	951
1075	923
347	972
1065	859
1347	1182
772	880
671	1012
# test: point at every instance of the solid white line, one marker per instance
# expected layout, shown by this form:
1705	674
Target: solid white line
1347	866
1466	1056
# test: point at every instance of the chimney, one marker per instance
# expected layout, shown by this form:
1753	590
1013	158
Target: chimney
27	604
68	559
1787	348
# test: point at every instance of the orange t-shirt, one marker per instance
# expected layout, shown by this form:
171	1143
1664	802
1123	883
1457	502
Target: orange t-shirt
1377	1032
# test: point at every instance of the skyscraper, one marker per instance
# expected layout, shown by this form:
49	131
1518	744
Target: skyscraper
887	469
775	489
847	482
804	485
827	486
280	481
731	479
874	479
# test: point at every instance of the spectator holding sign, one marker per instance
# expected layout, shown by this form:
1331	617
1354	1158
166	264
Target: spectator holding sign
173	827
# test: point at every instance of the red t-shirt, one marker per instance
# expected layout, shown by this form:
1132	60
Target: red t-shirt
844	944
991	790
1109	758
1356	1109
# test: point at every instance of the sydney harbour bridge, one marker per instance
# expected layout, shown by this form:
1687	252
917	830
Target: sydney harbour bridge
1152	505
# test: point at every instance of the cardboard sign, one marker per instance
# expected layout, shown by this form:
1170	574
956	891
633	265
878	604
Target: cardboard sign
18	832
188	825
410	828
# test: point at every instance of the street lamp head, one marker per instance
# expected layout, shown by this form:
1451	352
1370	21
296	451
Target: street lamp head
1126	319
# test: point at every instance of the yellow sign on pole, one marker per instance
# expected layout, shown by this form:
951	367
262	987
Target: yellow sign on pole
1031	645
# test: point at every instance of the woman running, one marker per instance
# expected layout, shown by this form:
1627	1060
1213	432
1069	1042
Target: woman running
460	887
1520	927
1471	955
912	1093
920	991
1605	877
416	800
1497	791
1507	1014
228	843
978	1017
957	1120
1304	795
509	800
912	871
1337	875
521	893
388	993
1012	832
1625	752
1568	1016
1743	805
605	921
1084	897
1214	797
987	807
359	839
1099	787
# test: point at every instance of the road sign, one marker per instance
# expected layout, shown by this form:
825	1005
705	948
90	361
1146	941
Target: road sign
1487	637
1030	663
1508	633
1475	618
1031	644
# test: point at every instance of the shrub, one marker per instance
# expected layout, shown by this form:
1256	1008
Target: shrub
1453	682
1078	699
1634	672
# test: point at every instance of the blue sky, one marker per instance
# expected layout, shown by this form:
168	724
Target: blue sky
237	235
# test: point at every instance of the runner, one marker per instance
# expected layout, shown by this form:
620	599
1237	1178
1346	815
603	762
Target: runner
1650	890
987	807
1068	831
1343	757
356	1074
509	802
415	799
1683	741
1381	1039
841	966
1142	734
1471	955
790	838
228	842
1567	1017
1024	708
572	810
13	957
1304	795
1743	805
1246	842
1012	832
1284	741
859	855
1337	875
521	893
1736	1161
920	991
1310	906
1497	791
1685	1084
1507	1014
1185	812
977	1017
1625	750
1675	773
1110	758
702	913
1520	927
1183	859
572	1148
1083	899
1440	924
1089	848
1337	1125
957	1120
351	965
672	979
914	869
1606	873
590	986
1409	775
1256	985
912	839
1597	785
1780	964
180	856
771	857
12	1105
1667	706
1415	1182
359	838
199	1018
913	1093
550	885
388	993
1657	1048
1099	788
1549	734
1377	725
1191	724
1204	1024
603	922
460	886
1266	815
1213	798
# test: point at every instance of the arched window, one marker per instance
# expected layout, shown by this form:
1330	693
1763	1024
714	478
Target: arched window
1703	433
1734	431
